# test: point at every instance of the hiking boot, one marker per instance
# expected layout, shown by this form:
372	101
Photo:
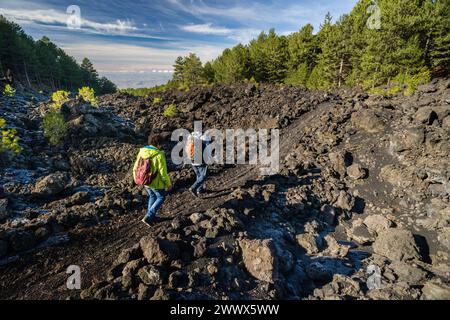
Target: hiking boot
149	222
200	193
195	194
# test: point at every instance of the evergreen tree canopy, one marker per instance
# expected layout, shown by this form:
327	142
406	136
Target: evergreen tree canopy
377	43
43	65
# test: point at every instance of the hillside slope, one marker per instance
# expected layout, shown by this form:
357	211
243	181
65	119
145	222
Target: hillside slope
364	182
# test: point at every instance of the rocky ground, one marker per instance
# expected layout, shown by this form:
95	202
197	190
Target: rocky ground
359	210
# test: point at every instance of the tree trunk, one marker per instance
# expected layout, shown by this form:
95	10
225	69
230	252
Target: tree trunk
26	73
340	71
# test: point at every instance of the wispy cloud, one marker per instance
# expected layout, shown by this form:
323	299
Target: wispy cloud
256	13
58	18
240	35
206	28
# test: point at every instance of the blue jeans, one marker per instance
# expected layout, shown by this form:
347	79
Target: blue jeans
155	201
200	172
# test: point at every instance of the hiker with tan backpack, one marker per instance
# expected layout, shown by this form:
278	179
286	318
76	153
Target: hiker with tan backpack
199	163
150	171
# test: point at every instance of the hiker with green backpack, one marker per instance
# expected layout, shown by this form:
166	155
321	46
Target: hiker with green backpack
150	171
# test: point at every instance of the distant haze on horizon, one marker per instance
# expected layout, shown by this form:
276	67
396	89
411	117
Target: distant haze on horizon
135	44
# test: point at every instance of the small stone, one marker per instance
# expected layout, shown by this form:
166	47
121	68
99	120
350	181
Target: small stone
335	249
446	123
377	223
356	172
150	275
144	292
309	242
132	267
177	279
129	254
360	233
318	272
328	214
42	232
51	185
345	201
196	217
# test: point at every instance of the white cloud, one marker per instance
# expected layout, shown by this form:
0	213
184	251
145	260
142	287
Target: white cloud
50	16
206	28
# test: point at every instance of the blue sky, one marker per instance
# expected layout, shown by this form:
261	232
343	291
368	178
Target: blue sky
134	43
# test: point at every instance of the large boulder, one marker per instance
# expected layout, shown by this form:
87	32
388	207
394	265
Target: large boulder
260	259
397	244
409	139
368	121
159	251
428	114
51	185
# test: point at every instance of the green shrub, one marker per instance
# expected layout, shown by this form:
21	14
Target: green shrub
393	90
413	81
156	100
10	140
183	87
9	91
55	127
59	98
171	111
88	95
405	83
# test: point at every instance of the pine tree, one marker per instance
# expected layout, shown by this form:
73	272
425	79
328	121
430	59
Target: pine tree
302	55
188	70
232	66
398	47
178	69
90	75
208	72
321	76
269	56
438	41
193	70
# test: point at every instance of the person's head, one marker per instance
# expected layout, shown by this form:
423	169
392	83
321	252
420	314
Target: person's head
155	139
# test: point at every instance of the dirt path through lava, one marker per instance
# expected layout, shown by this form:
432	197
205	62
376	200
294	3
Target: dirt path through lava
42	273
